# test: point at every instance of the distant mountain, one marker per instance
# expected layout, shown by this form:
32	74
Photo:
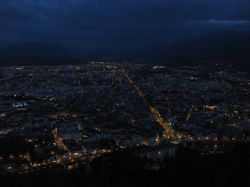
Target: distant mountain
35	49
35	53
227	46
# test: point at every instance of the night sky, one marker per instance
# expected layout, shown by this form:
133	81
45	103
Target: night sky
93	25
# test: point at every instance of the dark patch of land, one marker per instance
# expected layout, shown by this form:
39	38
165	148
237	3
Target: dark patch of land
123	168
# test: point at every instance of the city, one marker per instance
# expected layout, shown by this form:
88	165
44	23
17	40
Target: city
124	93
64	117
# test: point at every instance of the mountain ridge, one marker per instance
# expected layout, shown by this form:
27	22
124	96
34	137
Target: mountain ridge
226	46
35	49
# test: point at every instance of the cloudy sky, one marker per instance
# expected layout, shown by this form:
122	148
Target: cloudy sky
106	24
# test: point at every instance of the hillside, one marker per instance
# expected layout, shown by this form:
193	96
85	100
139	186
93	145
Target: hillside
35	53
228	47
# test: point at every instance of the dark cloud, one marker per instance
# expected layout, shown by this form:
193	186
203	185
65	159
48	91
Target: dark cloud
92	24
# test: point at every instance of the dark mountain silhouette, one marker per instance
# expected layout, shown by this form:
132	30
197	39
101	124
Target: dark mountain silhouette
35	49
228	47
35	53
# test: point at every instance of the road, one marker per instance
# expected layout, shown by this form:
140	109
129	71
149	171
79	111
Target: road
157	116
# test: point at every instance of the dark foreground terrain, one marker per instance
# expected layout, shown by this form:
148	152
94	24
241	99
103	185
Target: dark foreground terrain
189	168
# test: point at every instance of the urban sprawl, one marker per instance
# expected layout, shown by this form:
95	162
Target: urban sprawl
63	116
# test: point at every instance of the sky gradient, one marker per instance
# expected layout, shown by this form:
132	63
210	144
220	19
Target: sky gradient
93	25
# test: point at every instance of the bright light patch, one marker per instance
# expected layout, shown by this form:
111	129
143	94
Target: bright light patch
228	22
217	22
